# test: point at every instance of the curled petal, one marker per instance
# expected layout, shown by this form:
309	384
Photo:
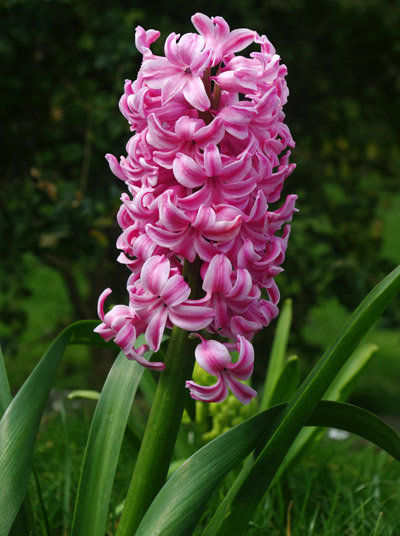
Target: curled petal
136	355
100	303
213	393
243	368
187	172
170	215
143	38
214	132
115	167
243	285
244	393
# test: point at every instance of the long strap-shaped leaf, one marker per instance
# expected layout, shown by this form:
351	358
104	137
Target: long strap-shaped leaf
179	505
24	522
277	358
20	422
303	403
103	447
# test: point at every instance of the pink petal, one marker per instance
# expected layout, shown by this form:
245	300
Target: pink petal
213	393
187	172
143	39
175	291
158	136
115	167
241	326
243	285
155	330
238	40
152	365
156	71
196	199
212	356
164	238
126	338
191	317
214	132
244	393
205	218
170	215
218	275
223	231
172	86
212	160
243	368
195	93
203	25
100	303
155	273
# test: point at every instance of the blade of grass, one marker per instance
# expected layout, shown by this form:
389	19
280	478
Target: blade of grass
66	471
41	502
303	403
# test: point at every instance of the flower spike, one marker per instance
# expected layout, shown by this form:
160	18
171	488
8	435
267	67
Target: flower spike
209	153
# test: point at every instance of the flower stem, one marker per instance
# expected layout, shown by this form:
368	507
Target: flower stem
163	425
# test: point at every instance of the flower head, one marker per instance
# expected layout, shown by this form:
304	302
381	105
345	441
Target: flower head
209	153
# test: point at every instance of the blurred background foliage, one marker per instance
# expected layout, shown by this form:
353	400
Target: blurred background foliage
64	64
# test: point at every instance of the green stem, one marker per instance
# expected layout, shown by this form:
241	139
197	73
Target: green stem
163	425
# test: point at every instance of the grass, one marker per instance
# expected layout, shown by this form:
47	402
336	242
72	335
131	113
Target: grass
346	488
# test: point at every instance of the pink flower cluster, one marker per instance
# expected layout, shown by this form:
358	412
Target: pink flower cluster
208	155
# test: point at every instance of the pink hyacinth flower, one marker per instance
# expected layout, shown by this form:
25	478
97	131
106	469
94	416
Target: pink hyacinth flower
214	358
208	155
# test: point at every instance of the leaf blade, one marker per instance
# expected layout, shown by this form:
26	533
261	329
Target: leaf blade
20	422
103	447
178	506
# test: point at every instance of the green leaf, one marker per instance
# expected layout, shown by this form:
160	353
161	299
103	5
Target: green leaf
278	354
5	393
288	381
179	505
103	447
24	522
339	391
20	422
148	386
303	403
347	378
